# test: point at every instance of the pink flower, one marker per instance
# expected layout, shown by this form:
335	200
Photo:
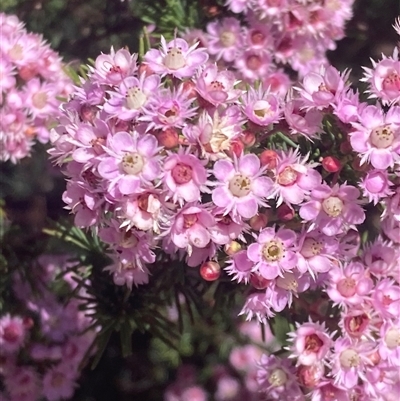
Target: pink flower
386	298
349	286
217	87
377	136
332	210
240	267
376	185
310	343
132	161
111	69
224	38
176	58
277	379
350	361
273	253
384	78
294	178
12	334
261	107
185	177
321	90
132	94
59	383
240	188
257	305
253	65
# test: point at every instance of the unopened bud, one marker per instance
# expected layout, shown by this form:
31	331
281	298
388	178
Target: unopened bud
144	68
268	158
236	148
28	322
232	248
258	222
331	164
285	212
259	282
189	89
248	138
210	271
27	72
168	138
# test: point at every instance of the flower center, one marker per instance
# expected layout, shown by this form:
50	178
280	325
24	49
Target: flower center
39	100
262	108
11	333
257	37
288	282
349	358
313	343
288	176
227	39
174	58
132	163
391	82
347	287
273	251
356	325
57	379
239	185
189	220
382	137
392	338
182	173
278	378
16	52
332	206
128	240
135	98
311	247
216	86
253	62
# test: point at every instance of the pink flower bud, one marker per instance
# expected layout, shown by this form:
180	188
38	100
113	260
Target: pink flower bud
236	148
268	158
248	138
210	271
144	68
285	212
331	164
258	222
168	138
232	248
259	282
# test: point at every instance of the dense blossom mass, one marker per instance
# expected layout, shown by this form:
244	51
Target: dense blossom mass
175	154
53	333
209	156
32	81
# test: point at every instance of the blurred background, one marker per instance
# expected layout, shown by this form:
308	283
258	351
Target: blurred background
32	190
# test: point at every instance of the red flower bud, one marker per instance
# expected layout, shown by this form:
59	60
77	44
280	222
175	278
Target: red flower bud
285	212
258	222
168	138
259	282
248	138
268	158
236	148
331	164
210	271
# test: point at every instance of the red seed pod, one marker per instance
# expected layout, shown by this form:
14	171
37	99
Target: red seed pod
210	271
168	138
268	158
258	222
331	164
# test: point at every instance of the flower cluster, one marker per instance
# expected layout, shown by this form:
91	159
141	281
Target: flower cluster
32	81
172	159
41	341
272	33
